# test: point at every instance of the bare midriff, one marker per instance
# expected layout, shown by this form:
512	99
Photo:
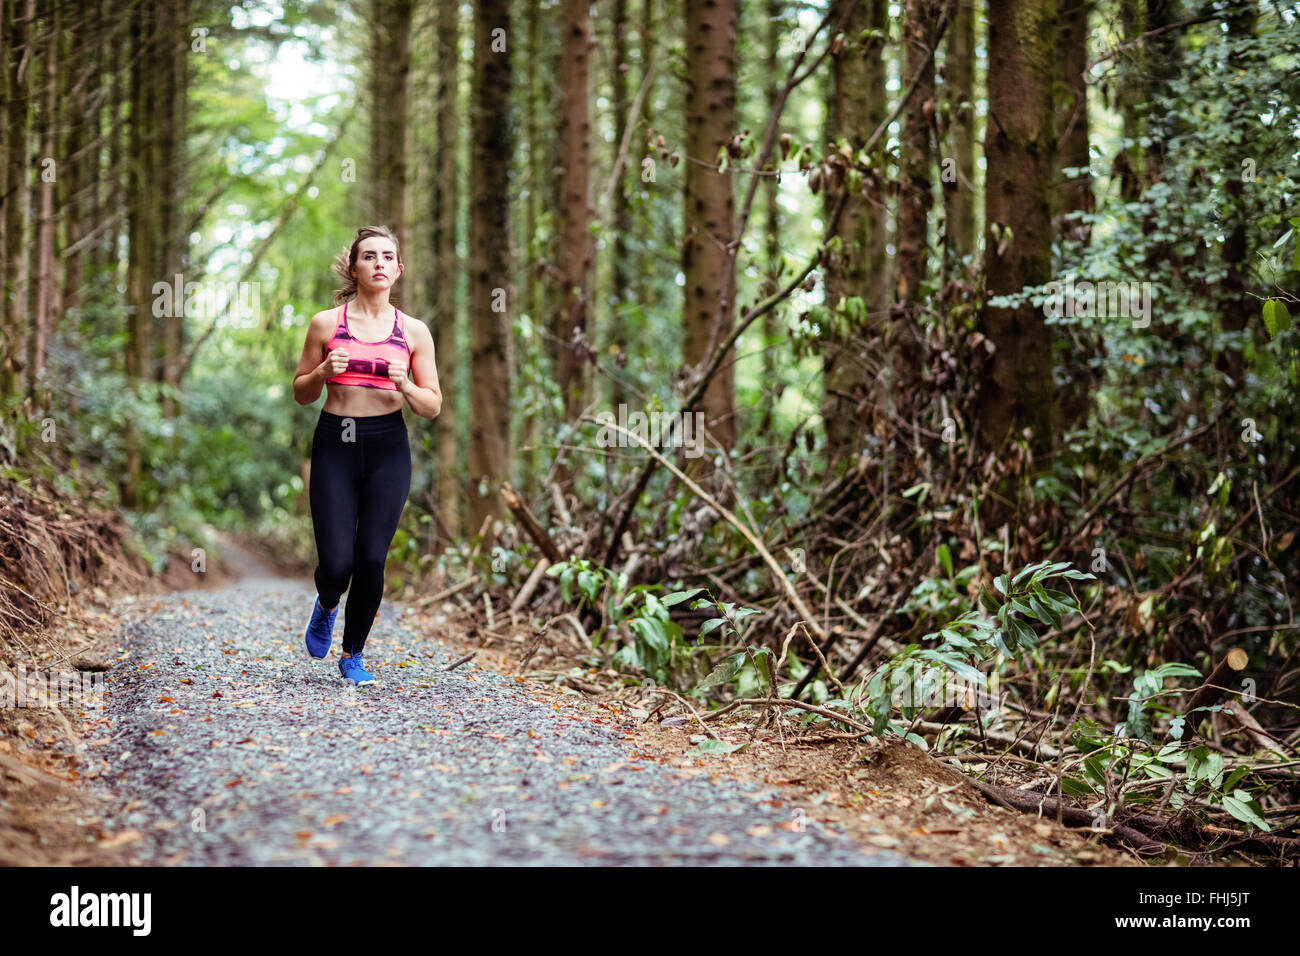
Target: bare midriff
357	401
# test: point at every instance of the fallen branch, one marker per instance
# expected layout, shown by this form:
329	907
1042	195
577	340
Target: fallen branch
464	660
1070	816
530	585
787	702
426	601
525	517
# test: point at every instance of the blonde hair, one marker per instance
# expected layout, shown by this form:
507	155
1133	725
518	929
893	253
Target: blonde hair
346	262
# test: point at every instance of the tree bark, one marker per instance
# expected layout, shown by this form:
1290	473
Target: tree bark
1080	347
172	89
48	165
772	220
1072	113
708	217
442	278
959	90
855	108
903	343
390	91
573	215
490	303
621	267
1017	389
20	16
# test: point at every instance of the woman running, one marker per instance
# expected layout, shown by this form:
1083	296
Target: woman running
360	455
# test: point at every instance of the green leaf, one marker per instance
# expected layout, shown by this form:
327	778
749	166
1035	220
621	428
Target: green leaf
1276	317
1235	778
945	558
1074	787
668	600
1022	632
711	624
1245	809
1027	571
1058	601
763	663
1075	575
1203	763
714	747
1020	607
726	671
1044	612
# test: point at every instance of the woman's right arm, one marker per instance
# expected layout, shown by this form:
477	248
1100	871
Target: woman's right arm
310	377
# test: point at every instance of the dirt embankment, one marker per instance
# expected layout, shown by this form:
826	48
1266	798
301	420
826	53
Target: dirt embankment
60	561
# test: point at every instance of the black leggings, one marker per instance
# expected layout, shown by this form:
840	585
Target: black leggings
360	477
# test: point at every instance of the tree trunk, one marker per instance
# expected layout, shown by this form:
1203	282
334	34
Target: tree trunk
573	216
173	65
855	103
47	165
959	90
73	180
903	339
771	222
116	174
20	16
1129	166
390	91
141	229
1017	388
1072	112
1080	347
709	207
648	262
442	278
493	148
532	243
1239	306
621	275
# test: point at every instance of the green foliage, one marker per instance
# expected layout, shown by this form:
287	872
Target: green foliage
1002	625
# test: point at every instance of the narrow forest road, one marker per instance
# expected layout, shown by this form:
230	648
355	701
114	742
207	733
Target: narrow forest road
222	743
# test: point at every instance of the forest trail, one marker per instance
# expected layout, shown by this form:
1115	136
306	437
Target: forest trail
222	743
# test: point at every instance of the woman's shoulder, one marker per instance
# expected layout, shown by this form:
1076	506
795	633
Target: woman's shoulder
411	324
328	318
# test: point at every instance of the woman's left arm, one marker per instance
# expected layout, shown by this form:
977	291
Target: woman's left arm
420	388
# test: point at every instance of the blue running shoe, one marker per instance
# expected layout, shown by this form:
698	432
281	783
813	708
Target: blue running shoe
320	630
353	671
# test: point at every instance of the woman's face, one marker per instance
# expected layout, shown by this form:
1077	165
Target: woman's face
377	266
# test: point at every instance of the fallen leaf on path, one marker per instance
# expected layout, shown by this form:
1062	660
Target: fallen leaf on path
126	836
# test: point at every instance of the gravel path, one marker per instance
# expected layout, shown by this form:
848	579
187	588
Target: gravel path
225	744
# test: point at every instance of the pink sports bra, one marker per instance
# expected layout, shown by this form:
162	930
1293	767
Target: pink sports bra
368	361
